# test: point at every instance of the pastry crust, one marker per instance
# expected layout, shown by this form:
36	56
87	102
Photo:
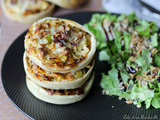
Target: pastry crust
25	12
42	94
52	80
68	3
60	45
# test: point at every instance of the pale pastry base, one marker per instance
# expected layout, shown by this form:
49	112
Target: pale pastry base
43	95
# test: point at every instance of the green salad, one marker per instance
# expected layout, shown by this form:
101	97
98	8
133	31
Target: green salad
132	47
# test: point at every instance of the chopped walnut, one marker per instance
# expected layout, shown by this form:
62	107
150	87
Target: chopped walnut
129	102
42	34
38	27
67	51
47	25
43	51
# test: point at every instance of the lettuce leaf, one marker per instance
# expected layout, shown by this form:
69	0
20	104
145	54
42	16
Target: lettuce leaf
154	40
108	84
103	55
156	100
156	59
127	39
144	60
99	34
95	26
117	52
124	76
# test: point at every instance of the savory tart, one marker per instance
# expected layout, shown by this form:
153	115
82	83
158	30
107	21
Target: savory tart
68	3
60	45
60	96
52	80
27	11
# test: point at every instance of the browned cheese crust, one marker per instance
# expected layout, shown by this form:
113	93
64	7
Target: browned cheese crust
59	45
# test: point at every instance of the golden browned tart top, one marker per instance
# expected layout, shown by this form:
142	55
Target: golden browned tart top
26	7
58	43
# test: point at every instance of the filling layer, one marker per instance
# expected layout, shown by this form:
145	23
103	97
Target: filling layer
77	91
43	75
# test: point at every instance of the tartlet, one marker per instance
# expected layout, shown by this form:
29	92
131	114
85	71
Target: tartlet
60	96
60	45
26	11
52	80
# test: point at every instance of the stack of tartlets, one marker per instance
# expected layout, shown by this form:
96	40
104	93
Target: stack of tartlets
58	60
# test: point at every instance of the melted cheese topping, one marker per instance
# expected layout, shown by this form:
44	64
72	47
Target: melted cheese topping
57	43
26	7
43	75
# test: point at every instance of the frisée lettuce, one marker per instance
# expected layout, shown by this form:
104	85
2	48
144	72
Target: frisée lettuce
132	47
